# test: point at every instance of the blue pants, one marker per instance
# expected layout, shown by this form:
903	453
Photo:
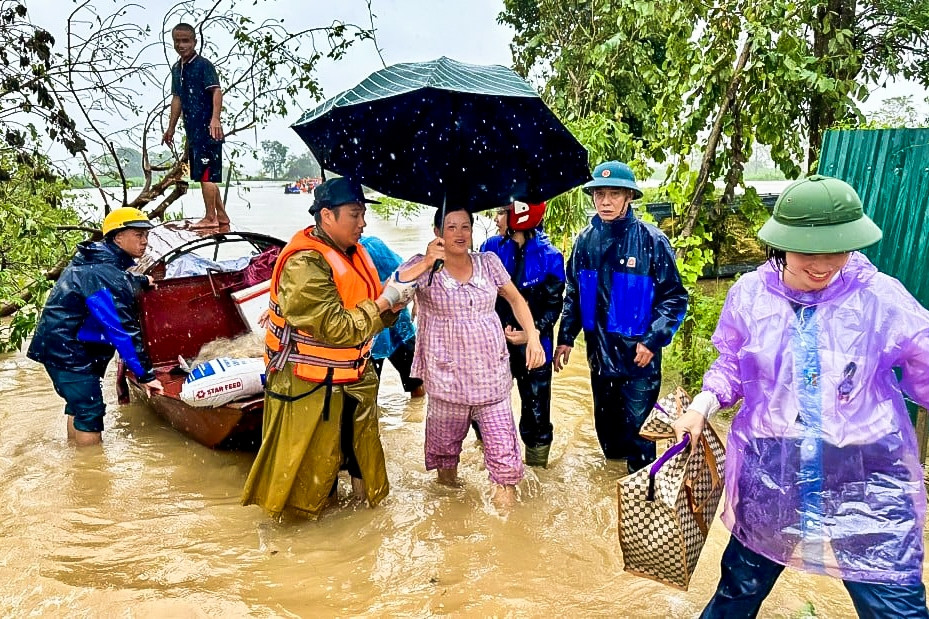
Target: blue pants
83	397
747	579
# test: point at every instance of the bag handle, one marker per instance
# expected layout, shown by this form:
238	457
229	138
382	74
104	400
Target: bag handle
695	508
656	466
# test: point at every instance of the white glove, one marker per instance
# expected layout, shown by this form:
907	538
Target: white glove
397	292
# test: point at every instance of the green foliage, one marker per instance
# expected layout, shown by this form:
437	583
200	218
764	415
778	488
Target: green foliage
31	244
679	82
394	208
302	166
894	113
26	61
808	611
691	352
275	156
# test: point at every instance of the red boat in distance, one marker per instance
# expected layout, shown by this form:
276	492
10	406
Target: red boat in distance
196	272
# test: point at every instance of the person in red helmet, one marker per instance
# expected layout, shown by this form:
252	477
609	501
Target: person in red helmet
537	270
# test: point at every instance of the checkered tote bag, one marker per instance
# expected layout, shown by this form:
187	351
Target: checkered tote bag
666	509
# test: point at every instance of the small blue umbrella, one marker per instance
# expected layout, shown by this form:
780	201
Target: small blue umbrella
446	134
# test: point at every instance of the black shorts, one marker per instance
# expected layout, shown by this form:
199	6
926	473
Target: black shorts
206	162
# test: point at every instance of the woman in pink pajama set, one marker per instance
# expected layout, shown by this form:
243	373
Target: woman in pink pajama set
461	353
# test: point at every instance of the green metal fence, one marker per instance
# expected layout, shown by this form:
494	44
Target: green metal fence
889	168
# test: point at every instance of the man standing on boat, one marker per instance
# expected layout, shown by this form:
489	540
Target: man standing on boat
320	415
625	292
91	313
195	91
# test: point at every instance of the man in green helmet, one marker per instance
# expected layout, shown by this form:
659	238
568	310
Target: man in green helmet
623	289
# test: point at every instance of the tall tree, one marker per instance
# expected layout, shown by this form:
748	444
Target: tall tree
714	80
302	166
275	156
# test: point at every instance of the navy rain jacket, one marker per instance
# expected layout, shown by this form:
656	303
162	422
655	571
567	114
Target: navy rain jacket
623	287
541	281
91	312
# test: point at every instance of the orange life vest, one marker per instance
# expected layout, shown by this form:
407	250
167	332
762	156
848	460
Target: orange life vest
356	280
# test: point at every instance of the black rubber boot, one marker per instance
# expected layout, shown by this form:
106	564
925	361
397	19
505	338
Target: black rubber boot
537	456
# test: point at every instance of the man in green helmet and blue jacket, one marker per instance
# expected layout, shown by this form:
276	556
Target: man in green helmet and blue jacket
624	290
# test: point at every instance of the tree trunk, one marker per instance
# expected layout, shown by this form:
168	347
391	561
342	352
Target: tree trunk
709	156
823	113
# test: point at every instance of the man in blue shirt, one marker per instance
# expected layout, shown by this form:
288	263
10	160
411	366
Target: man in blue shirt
625	292
196	93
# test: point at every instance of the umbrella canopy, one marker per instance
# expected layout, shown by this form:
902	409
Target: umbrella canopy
446	133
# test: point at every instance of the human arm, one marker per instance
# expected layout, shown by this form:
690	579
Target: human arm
216	127
570	315
112	318
168	137
670	303
722	386
907	330
529	335
412	270
553	288
535	356
310	301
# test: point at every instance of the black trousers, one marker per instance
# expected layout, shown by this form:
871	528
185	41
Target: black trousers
747	579
621	405
535	394
402	360
347	435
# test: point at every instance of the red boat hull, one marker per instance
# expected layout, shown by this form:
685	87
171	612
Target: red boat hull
182	314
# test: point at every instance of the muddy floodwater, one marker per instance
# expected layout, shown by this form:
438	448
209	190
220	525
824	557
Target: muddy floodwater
150	524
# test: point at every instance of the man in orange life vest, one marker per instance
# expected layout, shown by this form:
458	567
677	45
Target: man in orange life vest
320	414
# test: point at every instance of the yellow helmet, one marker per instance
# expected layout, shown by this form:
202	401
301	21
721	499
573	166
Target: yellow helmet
125	217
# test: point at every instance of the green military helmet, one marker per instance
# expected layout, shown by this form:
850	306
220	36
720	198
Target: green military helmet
819	215
614	174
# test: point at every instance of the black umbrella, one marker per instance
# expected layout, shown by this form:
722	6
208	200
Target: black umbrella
446	134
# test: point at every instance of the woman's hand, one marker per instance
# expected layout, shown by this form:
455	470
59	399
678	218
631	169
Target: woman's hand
515	337
692	423
535	356
435	250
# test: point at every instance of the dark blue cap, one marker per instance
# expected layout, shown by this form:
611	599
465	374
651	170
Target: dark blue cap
336	192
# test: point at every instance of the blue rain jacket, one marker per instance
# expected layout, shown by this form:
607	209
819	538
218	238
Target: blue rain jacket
386	262
541	281
623	287
91	313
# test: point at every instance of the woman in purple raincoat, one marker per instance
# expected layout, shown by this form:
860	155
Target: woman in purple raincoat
822	467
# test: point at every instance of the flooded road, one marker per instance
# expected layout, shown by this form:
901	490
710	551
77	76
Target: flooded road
150	524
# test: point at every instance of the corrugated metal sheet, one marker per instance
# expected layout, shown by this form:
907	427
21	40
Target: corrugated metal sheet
889	168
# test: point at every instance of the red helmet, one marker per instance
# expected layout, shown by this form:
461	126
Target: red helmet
522	216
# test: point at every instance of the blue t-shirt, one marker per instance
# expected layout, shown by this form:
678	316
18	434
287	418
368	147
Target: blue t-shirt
386	262
194	82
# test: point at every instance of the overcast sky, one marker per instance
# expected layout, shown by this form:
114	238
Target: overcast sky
407	31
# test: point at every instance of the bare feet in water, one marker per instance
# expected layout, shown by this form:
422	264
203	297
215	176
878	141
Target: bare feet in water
448	477
358	489
504	496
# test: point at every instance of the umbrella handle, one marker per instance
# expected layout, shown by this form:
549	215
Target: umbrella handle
436	266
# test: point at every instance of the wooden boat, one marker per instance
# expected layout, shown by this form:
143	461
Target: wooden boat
182	313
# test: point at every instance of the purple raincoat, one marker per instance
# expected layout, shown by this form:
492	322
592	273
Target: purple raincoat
822	468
